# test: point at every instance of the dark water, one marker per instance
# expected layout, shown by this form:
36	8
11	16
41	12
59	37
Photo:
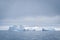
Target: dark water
30	35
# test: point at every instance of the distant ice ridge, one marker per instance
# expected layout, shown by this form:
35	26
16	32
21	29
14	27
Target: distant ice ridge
28	28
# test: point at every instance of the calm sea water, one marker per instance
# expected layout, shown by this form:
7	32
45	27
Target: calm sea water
30	35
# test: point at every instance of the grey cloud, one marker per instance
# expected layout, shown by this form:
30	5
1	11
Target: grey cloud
14	9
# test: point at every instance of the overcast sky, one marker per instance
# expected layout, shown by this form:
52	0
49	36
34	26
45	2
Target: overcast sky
30	12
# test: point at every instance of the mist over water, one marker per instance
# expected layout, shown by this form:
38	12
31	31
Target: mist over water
30	13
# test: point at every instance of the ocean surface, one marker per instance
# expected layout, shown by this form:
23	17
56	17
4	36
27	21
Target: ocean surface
29	35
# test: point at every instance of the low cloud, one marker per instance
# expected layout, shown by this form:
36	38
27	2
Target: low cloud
33	20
